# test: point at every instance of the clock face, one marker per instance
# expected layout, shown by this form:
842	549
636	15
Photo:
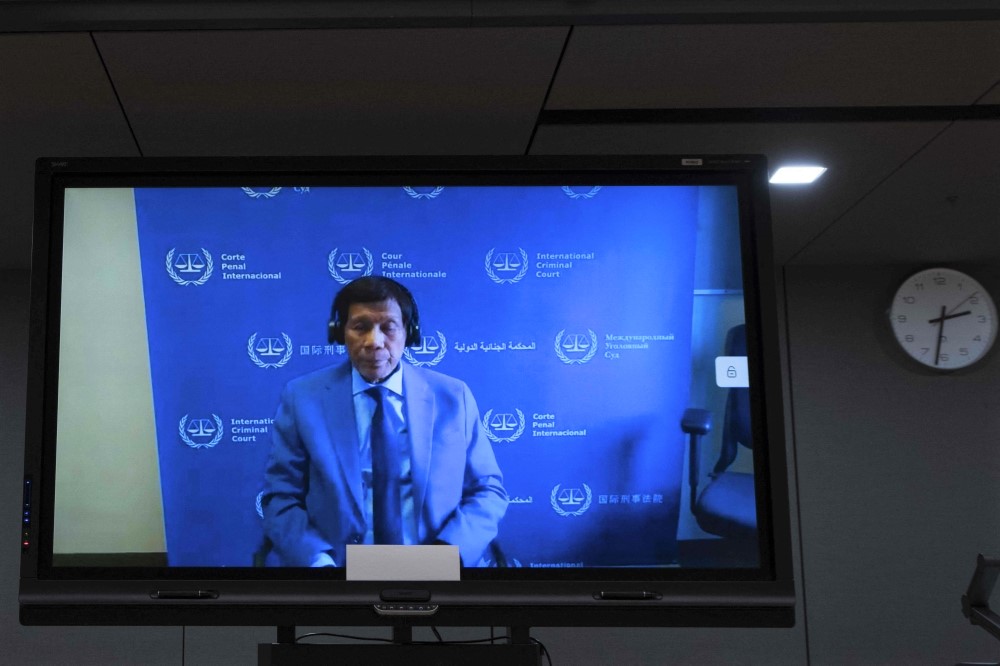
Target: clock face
943	318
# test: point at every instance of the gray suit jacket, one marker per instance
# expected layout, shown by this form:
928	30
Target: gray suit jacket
313	497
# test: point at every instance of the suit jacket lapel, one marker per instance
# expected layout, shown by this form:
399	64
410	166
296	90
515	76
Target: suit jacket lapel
419	419
338	407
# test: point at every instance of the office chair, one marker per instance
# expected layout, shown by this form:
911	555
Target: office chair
727	506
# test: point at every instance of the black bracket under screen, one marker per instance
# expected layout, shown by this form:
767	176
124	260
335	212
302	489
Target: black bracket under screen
514	649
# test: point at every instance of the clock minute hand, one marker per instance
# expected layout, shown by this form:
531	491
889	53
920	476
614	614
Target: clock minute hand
940	323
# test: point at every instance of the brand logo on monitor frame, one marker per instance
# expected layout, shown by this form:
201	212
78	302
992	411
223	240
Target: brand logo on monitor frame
571	501
506	267
347	266
433	194
573	194
430	351
576	348
261	192
201	433
503	426
187	268
270	352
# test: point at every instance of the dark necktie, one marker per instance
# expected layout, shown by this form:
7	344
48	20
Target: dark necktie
386	469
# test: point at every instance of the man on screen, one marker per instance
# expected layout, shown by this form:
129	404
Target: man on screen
377	451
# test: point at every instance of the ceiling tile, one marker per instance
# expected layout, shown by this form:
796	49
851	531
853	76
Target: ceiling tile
775	65
55	102
336	92
859	156
942	206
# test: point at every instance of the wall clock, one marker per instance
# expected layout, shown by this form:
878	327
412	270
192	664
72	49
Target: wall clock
943	318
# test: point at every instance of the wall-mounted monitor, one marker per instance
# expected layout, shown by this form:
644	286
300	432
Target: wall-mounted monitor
587	391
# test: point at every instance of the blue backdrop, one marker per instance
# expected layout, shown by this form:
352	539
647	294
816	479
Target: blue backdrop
568	311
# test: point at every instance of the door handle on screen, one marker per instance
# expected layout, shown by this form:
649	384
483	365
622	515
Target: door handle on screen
628	596
184	594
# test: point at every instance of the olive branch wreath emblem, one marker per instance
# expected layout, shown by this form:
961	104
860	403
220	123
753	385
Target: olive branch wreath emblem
581	195
576	361
553	500
499	280
331	265
498	439
254	194
200	445
252	351
423	195
209	266
437	358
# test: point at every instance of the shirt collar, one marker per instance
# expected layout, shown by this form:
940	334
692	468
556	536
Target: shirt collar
393	382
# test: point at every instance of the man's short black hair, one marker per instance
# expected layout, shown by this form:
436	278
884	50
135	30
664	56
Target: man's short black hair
373	289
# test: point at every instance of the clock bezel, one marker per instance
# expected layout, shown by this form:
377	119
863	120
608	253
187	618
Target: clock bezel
898	336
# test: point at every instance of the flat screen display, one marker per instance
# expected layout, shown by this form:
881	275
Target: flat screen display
200	416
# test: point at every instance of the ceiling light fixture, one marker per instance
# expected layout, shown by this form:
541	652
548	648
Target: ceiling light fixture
796	175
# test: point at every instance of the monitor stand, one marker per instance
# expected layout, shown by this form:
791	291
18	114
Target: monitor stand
518	650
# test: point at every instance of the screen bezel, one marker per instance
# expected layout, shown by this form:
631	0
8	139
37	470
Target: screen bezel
767	588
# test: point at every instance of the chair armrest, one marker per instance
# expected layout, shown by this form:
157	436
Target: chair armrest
696	421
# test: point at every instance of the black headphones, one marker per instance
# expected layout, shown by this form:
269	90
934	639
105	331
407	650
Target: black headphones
385	288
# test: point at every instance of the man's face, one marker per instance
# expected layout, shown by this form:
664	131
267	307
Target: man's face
375	337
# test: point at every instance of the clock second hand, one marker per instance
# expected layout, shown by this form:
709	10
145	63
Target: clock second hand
972	295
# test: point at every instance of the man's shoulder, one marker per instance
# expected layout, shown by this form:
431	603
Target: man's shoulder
321	377
435	378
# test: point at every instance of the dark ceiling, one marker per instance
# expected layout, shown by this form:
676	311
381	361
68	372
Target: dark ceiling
903	106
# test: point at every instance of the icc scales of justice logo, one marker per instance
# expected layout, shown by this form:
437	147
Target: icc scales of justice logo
503	426
571	501
200	433
575	348
269	192
262	192
429	352
506	267
419	194
189	268
349	265
269	352
572	193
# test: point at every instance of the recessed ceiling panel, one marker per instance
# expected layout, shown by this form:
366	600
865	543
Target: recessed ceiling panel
776	65
942	206
329	92
55	101
858	155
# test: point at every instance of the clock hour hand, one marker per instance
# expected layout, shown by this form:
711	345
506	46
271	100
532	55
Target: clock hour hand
943	316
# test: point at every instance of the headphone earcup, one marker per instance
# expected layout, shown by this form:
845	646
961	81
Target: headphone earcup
413	334
335	332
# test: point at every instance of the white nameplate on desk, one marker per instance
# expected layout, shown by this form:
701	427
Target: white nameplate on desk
403	563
